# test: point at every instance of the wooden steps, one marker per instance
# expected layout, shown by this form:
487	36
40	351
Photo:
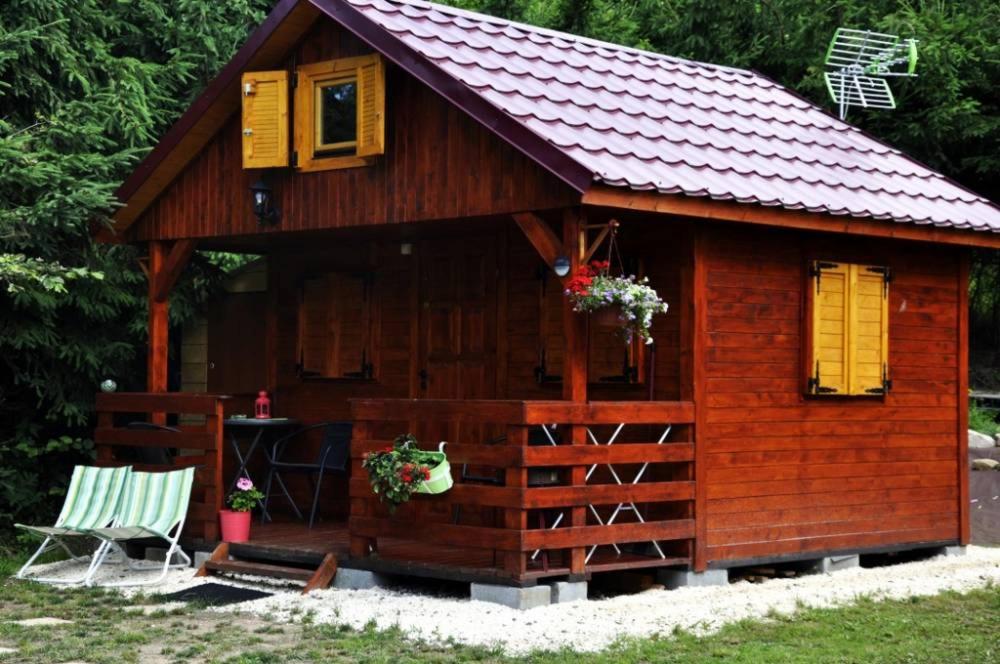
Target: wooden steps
242	559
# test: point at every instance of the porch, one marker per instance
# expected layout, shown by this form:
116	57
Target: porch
611	487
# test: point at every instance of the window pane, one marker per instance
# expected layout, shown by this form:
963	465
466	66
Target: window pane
337	115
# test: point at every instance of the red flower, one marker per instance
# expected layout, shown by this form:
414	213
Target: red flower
426	472
600	266
387	449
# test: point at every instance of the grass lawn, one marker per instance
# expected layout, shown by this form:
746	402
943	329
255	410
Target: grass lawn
945	628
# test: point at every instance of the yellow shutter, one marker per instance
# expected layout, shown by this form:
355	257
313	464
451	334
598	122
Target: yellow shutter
265	119
371	107
869	339
829	362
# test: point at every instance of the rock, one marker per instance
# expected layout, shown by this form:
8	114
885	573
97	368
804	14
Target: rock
980	441
997	437
985	464
42	622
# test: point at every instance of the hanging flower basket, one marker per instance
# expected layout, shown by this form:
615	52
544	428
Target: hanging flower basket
396	473
624	302
611	316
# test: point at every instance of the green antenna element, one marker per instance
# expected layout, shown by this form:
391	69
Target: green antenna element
858	63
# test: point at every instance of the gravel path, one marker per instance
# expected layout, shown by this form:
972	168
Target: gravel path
596	624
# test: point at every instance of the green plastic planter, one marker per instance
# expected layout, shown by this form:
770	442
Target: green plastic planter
440	480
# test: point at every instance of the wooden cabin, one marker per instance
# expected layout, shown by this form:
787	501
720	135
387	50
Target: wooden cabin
411	173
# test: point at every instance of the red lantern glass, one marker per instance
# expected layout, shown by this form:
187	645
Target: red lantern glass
262	406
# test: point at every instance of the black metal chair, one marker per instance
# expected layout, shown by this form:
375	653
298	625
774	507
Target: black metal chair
333	457
151	456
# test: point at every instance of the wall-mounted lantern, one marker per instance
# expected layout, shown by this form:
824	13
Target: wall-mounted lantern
561	266
263	203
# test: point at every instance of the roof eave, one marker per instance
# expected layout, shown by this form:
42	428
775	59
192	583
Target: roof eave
751	213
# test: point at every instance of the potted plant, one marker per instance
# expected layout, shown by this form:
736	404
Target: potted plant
397	472
235	522
625	301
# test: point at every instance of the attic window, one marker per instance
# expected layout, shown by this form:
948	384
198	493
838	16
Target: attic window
336	117
339	113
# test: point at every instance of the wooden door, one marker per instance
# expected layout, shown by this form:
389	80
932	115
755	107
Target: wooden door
458	336
237	359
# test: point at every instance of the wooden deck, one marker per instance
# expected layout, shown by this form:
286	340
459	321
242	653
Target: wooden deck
293	541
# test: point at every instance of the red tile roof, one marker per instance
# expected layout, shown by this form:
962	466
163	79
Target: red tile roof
646	121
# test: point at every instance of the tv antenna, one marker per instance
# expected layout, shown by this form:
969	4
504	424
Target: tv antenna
858	63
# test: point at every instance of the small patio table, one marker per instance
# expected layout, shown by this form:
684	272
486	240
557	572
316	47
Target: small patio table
238	425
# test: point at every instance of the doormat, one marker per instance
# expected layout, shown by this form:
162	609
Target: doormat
215	594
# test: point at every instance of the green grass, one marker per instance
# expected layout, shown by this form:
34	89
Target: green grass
946	628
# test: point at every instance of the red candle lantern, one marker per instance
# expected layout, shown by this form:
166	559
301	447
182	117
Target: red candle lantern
262	406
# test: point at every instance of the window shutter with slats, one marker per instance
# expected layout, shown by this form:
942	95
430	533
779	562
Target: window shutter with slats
314	328
829	361
265	119
371	107
869	339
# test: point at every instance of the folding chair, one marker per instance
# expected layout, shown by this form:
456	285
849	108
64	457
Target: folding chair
92	501
154	505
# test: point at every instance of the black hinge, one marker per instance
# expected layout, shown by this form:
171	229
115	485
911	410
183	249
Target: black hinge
816	270
295	158
886	273
814	386
886	382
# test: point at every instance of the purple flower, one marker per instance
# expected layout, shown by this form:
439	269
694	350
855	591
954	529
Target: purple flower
244	484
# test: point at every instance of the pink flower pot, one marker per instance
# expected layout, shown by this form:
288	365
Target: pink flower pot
235	525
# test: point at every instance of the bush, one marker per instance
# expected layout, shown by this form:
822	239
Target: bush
983	421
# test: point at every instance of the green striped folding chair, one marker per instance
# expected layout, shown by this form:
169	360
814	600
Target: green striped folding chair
92	501
154	505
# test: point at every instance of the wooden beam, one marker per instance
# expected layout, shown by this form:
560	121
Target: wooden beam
575	375
963	398
706	208
173	265
698	310
156	373
541	236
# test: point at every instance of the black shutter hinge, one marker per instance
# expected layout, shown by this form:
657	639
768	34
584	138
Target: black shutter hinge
886	383
814	386
886	273
816	270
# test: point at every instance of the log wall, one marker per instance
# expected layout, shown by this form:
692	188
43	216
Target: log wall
790	474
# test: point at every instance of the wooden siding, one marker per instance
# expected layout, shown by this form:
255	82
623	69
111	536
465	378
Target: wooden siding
438	164
790	474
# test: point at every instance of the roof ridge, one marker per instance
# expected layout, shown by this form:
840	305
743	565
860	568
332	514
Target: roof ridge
568	36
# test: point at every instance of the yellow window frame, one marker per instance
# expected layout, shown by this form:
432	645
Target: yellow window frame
368	73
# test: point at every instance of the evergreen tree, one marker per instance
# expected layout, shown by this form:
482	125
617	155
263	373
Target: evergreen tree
86	87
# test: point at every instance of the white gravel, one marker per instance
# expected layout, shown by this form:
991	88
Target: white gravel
596	624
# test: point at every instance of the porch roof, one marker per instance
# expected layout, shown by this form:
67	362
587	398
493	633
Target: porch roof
601	114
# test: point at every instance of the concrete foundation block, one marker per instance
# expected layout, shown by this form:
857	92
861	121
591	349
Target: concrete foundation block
515	598
836	564
679	578
199	558
568	591
357	579
951	551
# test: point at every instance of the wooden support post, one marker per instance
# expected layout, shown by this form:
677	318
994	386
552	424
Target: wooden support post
698	310
575	373
158	322
963	398
214	493
361	546
515	563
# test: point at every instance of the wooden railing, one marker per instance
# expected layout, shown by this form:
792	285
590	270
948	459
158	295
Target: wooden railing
610	487
119	442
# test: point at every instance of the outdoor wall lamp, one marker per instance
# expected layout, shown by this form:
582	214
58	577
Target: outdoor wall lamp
561	266
263	203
